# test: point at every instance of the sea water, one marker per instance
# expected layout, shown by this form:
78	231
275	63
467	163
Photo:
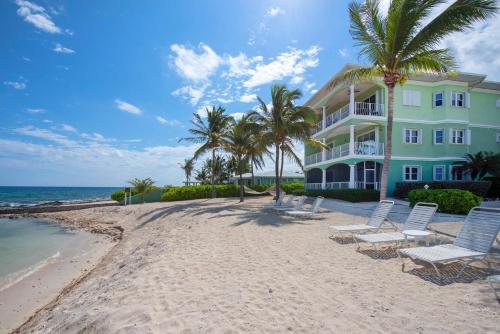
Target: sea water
29	244
27	196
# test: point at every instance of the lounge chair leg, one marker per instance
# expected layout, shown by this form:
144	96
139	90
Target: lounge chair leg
357	242
436	269
402	260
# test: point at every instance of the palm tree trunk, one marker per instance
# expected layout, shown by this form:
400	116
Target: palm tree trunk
242	192
212	176
388	144
277	171
282	162
251	169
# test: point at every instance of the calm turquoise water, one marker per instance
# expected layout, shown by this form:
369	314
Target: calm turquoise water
28	244
16	196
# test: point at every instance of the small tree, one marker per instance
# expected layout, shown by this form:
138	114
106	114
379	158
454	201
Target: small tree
187	167
481	164
142	186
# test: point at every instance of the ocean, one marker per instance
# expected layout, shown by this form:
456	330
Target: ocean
27	196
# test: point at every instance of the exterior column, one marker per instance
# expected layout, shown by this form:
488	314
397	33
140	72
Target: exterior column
351	176
323	122
377	140
323	150
351	100
323	180
351	139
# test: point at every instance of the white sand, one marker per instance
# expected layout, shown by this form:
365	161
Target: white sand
217	266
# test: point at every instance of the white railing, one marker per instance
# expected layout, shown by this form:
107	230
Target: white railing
360	108
313	158
367	185
337	185
313	186
369	109
369	148
337	152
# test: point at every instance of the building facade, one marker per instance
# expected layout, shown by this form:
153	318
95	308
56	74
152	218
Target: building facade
437	120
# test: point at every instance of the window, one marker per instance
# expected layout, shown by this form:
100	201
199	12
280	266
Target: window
498	103
457	173
411	98
458	99
370	99
438	99
498	137
411	173
439	173
412	136
458	136
369	136
438	136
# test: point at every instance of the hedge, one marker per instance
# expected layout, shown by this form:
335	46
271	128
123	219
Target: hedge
479	188
120	195
449	200
289	187
196	192
260	187
494	191
350	195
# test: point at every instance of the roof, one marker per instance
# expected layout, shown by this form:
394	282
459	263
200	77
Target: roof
271	173
471	79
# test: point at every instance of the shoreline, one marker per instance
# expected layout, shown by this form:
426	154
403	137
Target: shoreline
42	288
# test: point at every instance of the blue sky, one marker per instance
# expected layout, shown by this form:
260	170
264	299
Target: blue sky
93	95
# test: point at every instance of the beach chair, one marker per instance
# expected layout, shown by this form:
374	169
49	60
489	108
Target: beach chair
277	203
377	219
473	242
288	204
415	226
310	212
298	205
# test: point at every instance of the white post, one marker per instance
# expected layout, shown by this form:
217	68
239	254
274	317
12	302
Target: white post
323	180
351	100
351	139
351	176
130	197
377	140
323	150
323	122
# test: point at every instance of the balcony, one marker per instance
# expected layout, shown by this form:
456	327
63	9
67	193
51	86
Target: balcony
367	148
359	109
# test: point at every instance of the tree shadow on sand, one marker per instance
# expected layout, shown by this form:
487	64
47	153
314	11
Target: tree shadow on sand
449	273
387	253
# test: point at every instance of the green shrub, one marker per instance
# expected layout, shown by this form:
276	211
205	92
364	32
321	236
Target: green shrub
260	187
196	192
479	188
293	187
120	195
350	195
449	200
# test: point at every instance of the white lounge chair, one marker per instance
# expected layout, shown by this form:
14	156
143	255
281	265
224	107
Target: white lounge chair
377	219
297	206
420	216
473	242
288	204
310	212
277	203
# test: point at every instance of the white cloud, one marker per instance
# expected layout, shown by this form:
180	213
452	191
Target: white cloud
61	49
47	121
308	86
35	110
195	66
48	135
247	98
296	80
237	115
37	16
343	52
190	93
287	64
15	84
165	121
68	128
275	11
128	107
26	59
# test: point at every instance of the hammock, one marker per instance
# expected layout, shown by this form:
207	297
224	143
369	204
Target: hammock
270	191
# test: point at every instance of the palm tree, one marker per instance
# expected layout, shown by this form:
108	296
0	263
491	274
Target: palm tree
210	134
187	167
402	44
142	186
239	141
481	164
283	123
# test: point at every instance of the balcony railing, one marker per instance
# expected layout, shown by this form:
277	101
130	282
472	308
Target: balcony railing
360	148
360	108
344	185
314	158
369	148
337	185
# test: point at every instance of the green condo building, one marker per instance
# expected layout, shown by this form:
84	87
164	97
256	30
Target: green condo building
437	120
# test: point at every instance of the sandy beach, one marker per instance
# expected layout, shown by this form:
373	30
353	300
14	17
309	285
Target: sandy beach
219	266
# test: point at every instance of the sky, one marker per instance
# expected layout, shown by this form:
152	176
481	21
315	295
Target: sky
97	93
